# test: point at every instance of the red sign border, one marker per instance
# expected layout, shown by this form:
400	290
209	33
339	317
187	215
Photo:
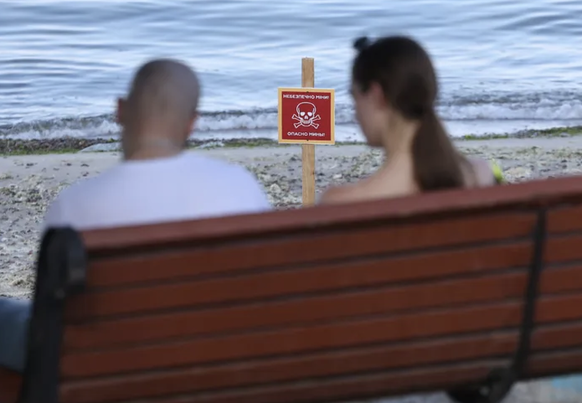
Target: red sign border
329	91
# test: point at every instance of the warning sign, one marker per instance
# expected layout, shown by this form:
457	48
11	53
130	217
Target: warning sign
306	115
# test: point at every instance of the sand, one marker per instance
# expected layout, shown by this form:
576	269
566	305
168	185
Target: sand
29	183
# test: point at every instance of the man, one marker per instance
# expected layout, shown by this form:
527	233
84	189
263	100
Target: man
157	180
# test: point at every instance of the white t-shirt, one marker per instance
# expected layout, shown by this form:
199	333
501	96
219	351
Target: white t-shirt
186	186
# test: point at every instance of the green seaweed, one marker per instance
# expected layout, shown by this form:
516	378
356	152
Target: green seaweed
72	145
568	131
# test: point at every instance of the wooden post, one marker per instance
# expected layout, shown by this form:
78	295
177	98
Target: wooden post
308	150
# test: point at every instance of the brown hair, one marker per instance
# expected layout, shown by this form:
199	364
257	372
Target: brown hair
408	80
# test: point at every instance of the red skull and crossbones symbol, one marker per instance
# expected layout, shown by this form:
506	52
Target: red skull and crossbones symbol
306	115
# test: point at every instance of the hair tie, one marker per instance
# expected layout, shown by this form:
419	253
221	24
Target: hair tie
362	43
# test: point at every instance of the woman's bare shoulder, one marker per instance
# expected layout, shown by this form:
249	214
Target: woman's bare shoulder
346	193
333	195
483	171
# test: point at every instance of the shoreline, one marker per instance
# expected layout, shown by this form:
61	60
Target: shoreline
68	145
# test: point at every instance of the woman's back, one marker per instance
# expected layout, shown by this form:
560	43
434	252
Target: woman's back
399	181
394	87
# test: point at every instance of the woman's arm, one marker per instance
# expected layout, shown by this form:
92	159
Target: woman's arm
497	173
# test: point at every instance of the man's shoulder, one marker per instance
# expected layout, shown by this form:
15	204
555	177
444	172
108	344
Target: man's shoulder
87	189
68	201
234	185
81	187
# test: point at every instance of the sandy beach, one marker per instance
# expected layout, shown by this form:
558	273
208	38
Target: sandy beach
28	183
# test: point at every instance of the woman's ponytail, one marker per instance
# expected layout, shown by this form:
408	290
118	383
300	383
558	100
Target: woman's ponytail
437	164
405	73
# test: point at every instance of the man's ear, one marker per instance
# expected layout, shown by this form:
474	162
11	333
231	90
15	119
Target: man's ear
120	117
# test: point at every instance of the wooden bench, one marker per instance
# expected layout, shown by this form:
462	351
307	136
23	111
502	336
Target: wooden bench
463	291
10	383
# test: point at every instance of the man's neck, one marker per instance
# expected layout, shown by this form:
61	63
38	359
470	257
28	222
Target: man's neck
150	155
153	148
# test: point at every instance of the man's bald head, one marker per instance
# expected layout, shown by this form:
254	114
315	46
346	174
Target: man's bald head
161	106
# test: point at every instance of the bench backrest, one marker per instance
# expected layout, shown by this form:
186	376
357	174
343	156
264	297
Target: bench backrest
321	304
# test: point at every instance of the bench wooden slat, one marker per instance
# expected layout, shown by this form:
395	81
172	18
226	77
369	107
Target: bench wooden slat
293	341
304	311
563	248
297	312
366	385
555	363
302	280
10	383
371	385
374	384
253	254
318	278
565	219
193	379
395	377
314	337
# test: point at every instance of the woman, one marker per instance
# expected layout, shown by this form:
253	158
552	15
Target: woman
394	87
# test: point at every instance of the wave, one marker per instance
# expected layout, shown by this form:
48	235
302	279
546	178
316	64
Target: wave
533	109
